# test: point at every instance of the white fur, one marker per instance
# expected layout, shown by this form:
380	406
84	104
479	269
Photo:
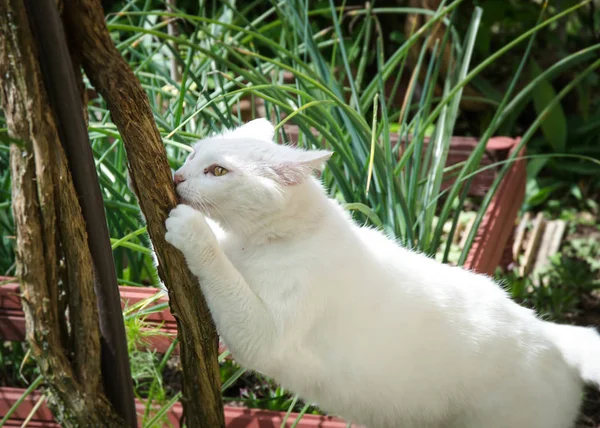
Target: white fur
345	317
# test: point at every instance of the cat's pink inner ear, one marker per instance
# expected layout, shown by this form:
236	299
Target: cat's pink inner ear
296	171
290	174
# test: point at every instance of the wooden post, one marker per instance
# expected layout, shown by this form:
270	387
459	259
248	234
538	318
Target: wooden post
65	99
54	260
151	177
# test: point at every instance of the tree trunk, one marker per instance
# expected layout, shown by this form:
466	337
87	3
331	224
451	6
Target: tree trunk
151	177
52	250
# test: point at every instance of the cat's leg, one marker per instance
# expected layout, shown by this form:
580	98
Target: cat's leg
241	317
217	230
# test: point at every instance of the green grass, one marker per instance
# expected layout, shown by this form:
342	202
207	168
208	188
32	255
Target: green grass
338	89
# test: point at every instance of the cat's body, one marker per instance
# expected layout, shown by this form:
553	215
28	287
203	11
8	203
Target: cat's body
348	319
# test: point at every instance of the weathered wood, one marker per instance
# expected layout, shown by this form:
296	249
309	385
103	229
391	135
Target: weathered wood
520	236
64	95
534	242
50	231
151	176
551	240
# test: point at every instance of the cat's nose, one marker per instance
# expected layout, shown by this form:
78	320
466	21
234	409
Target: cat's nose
178	178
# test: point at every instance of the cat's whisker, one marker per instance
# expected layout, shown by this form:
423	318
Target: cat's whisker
222	216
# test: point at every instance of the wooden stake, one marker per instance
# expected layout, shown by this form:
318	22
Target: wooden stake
151	176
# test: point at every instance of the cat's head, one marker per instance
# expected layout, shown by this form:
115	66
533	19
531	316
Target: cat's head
242	175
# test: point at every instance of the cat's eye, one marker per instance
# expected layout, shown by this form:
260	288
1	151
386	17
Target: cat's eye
216	170
219	170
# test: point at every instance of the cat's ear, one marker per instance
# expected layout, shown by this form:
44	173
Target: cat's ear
257	129
294	166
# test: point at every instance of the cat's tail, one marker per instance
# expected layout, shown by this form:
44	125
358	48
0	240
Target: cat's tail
580	347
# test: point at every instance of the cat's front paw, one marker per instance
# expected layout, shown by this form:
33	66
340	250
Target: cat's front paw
187	230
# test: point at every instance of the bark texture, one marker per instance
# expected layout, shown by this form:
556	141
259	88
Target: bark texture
52	252
151	176
64	93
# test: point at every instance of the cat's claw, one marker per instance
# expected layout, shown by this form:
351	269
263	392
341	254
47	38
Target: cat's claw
187	228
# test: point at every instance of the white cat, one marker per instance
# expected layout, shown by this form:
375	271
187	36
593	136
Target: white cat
346	317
